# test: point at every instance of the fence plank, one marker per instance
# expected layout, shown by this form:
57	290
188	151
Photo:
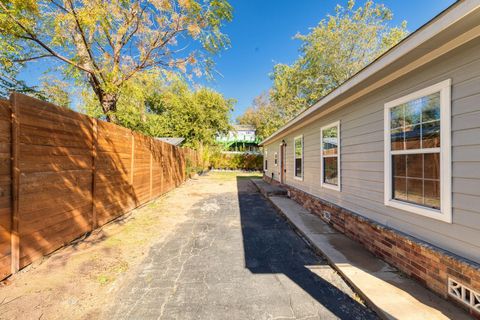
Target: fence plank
53	148
15	236
93	220
5	189
63	174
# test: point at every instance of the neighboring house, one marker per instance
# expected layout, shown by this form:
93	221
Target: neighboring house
241	138
392	157
173	141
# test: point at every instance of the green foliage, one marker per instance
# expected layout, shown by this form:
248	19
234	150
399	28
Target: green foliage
56	91
169	108
217	159
104	44
196	115
334	50
191	169
237	161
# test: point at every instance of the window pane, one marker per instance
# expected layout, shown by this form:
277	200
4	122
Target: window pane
298	167
397	116
330	170
399	163
397	138
415	191
432	166
431	135
330	141
412	137
415	165
413	112
416	177
431	107
399	188
298	148
432	193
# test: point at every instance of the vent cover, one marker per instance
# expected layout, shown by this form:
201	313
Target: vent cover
326	215
463	294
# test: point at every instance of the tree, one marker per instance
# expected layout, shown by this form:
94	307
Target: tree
107	43
196	115
170	108
55	91
263	115
334	50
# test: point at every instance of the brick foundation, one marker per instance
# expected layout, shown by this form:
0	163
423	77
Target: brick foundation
429	265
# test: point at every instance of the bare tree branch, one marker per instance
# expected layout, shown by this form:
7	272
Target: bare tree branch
33	37
84	40
33	58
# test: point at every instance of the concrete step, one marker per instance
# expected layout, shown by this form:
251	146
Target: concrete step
268	189
387	291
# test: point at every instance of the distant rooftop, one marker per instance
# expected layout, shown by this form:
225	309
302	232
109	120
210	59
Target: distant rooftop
243	127
174	141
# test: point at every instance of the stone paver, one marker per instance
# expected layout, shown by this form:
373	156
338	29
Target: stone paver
235	258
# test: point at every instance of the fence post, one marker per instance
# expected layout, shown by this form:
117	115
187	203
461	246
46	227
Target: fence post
15	237
94	171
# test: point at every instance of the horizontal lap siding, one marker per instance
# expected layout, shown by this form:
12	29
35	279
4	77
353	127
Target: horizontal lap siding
362	153
55	184
272	168
5	188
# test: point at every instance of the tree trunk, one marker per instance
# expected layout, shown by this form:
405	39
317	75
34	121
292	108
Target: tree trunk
109	106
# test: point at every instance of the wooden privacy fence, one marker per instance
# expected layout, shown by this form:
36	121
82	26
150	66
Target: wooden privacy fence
63	174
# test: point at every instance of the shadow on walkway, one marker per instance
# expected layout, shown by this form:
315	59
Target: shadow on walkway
272	247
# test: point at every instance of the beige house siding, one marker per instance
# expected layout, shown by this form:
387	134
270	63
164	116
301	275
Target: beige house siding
272	168
362	154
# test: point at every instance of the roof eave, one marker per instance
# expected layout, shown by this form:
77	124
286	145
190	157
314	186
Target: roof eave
433	27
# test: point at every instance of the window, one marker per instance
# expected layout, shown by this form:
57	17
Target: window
417	152
275	158
330	156
298	153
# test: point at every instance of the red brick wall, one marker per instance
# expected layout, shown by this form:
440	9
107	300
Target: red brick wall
429	265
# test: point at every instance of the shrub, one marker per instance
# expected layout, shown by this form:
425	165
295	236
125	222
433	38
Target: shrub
237	161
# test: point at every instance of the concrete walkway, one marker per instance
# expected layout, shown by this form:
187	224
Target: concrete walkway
388	292
235	258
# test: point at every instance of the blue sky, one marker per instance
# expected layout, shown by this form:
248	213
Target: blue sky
261	36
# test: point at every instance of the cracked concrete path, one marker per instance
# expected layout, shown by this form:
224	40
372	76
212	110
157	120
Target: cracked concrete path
234	257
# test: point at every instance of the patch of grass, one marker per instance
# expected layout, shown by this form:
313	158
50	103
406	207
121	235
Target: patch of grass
113	242
231	175
153	204
104	279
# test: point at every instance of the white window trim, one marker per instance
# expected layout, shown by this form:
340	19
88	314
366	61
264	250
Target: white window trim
323	184
445	212
279	168
294	159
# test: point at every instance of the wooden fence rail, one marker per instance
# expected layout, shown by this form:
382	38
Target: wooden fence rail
63	174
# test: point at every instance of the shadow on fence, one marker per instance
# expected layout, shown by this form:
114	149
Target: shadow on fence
63	174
